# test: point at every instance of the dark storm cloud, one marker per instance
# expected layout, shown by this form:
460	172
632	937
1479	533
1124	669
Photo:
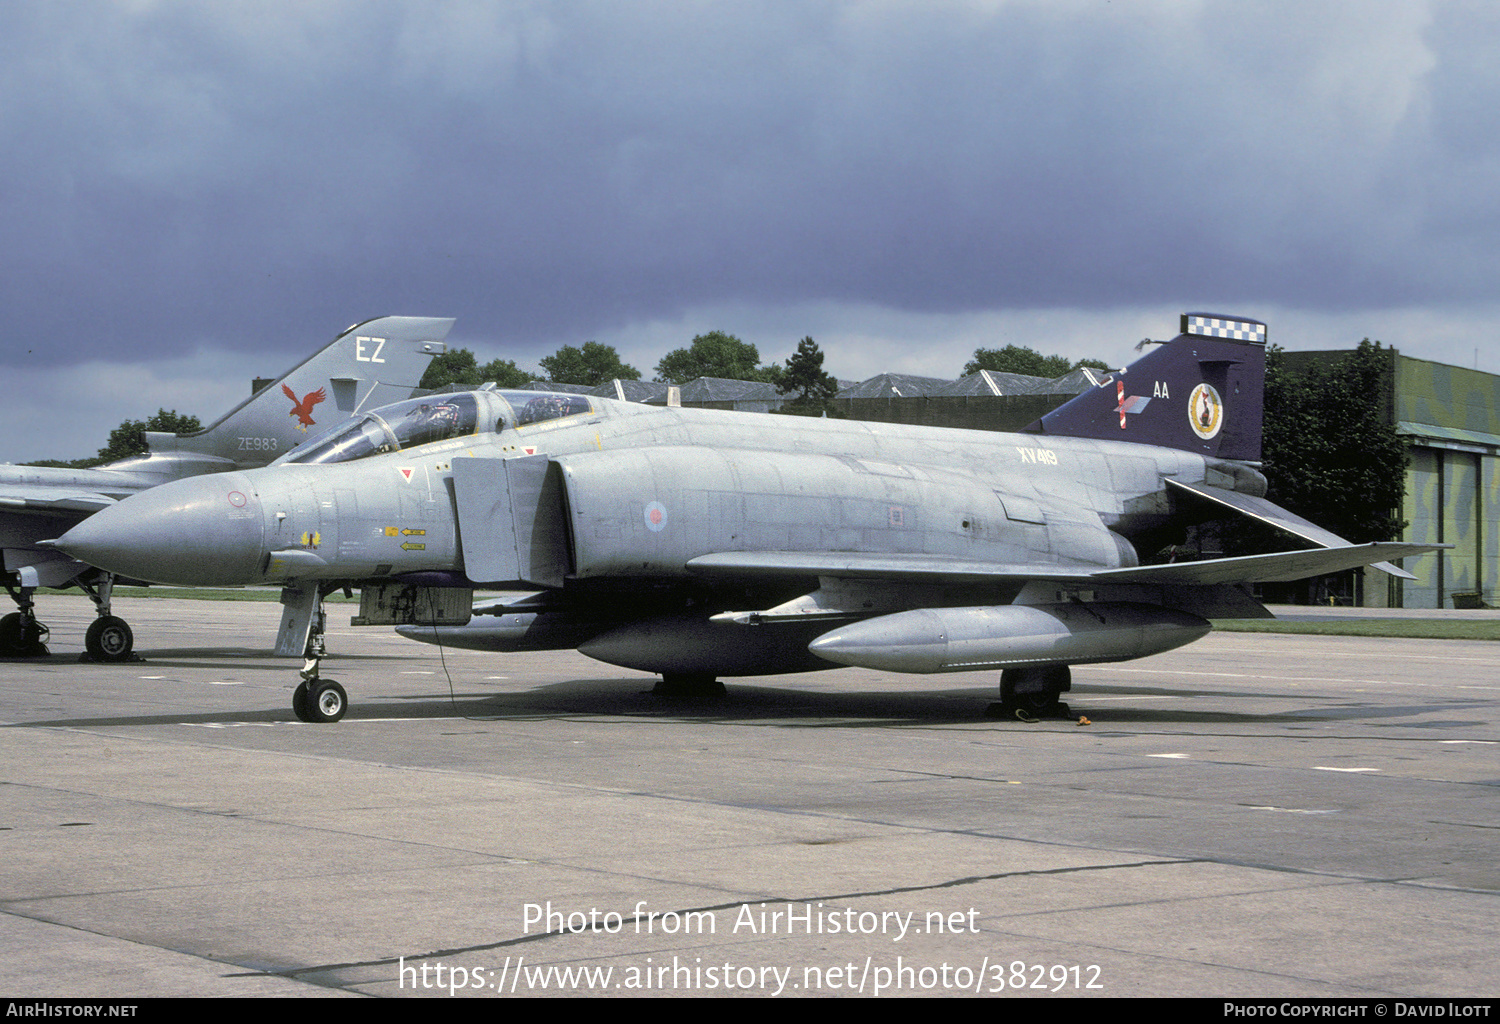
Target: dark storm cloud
178	174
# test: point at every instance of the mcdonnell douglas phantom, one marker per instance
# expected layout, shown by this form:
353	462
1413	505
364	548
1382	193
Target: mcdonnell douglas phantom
371	364
699	543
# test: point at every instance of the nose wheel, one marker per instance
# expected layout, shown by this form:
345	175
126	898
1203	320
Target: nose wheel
316	699
322	700
109	639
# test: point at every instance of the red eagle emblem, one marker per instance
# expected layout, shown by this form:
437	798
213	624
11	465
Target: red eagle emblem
302	409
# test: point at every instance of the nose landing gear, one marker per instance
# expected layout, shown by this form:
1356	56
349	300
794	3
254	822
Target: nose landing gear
302	631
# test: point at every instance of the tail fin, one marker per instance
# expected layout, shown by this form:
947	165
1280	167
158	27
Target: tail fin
1200	392
372	363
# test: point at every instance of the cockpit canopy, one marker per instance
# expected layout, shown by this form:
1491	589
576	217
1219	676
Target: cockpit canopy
538	407
435	417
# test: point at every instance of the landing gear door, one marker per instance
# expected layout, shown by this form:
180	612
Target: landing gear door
511	521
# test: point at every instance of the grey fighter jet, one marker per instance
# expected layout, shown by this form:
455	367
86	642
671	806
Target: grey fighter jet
698	543
371	364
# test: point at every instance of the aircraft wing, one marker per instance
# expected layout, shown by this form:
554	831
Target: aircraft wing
1276	567
70	501
857	565
29	513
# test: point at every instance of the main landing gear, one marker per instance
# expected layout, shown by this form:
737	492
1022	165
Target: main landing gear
21	635
688	686
1031	694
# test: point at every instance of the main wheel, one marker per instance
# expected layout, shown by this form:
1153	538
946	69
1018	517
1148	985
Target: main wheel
10	634
326	701
1030	694
22	637
688	685
109	639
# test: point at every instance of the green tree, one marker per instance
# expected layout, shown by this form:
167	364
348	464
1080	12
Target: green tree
1016	359
88	463
714	354
504	373
129	438
804	376
1330	451
455	366
458	366
591	365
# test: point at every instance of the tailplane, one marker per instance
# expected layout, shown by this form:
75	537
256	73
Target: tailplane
1200	392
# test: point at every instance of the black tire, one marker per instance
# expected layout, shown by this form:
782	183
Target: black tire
299	703
109	639
1033	693
22	639
326	701
688	686
1035	703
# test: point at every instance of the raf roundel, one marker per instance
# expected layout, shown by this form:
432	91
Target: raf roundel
1205	411
656	517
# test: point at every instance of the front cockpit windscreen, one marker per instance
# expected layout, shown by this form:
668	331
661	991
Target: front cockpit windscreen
394	428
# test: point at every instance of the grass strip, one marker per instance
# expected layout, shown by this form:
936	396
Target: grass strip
1406	629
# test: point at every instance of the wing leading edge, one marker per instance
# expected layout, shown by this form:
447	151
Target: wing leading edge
1276	567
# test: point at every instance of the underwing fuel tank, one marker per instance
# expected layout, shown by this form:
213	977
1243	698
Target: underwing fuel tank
689	644
1009	636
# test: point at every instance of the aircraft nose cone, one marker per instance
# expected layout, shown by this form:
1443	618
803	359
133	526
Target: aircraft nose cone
205	531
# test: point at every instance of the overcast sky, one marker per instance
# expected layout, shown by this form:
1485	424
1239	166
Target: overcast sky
194	194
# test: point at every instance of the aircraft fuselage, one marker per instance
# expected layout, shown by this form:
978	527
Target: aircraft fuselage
638	492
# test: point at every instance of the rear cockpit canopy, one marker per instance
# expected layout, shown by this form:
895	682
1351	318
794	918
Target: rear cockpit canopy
537	407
